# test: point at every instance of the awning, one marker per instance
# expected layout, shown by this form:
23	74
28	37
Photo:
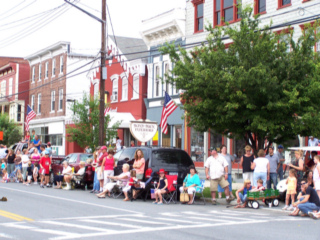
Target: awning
124	118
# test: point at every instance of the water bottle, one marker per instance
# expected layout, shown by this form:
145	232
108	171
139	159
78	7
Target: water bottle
86	187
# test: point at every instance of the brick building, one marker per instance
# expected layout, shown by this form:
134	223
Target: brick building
200	13
56	75
14	88
126	83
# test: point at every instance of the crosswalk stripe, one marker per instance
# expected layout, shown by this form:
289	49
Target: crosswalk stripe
247	212
77	226
110	223
17	225
174	220
142	221
210	219
57	232
198	214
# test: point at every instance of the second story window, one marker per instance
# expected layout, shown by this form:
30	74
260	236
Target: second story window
284	3
40	71
47	70
3	88
167	84
61	64
114	96
32	102
60	99
135	93
124	89
226	11
33	74
53	100
157	81
260	6
19	113
10	86
53	67
39	103
198	15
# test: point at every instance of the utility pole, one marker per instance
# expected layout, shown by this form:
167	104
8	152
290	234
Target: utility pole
103	75
103	69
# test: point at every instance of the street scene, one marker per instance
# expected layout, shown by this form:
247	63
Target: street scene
184	119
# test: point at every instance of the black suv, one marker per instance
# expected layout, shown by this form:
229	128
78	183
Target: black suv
174	161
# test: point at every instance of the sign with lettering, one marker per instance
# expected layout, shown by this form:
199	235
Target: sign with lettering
143	131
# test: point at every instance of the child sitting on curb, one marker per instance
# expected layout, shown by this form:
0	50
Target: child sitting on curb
242	197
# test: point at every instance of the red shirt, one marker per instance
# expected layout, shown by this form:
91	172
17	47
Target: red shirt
45	163
101	158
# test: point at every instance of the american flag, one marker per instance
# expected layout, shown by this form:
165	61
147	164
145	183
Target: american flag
107	110
30	114
168	107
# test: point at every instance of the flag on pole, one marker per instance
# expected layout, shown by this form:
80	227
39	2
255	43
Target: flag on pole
168	107
107	110
30	114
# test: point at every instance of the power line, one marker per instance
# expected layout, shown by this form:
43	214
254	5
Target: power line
23	8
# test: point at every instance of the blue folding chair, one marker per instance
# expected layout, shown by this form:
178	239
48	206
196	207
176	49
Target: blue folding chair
199	190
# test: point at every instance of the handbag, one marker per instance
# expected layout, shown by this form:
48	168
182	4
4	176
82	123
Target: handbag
184	197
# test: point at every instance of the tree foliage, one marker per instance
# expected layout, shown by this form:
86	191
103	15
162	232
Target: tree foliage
11	131
253	89
85	130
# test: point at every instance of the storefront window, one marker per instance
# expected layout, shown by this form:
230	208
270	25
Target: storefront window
178	139
54	139
166	138
215	140
197	145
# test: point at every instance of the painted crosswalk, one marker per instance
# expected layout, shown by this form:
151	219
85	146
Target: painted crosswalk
97	226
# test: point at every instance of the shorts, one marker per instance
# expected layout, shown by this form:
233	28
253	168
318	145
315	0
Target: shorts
29	178
99	173
139	176
219	181
291	191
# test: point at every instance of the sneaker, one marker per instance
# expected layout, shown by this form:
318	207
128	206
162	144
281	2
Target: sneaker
28	184
92	191
35	183
214	202
41	186
232	198
48	185
285	207
290	208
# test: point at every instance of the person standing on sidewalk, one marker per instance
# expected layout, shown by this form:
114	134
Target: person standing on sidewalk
281	159
245	162
274	163
218	167
230	159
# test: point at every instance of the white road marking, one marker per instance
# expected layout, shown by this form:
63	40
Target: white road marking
210	219
142	221
2	235
174	220
17	225
248	212
171	214
57	232
76	226
110	223
88	217
198	214
161	229
70	200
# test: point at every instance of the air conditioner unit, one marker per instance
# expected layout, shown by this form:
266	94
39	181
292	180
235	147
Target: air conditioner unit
114	97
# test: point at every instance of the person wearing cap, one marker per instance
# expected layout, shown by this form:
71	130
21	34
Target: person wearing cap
216	168
274	164
281	159
161	187
45	166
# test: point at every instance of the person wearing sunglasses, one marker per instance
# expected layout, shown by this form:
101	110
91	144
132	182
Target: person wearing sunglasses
308	200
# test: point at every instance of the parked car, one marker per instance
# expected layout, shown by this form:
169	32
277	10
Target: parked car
21	146
174	161
73	159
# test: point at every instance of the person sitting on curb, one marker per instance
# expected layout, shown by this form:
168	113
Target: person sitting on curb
308	200
314	215
79	175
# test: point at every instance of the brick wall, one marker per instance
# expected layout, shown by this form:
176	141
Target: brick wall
45	85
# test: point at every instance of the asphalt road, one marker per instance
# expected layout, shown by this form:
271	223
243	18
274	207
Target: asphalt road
36	213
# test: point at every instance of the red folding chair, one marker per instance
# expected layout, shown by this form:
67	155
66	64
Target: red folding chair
171	194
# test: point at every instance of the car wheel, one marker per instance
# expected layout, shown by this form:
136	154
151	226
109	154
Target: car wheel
275	202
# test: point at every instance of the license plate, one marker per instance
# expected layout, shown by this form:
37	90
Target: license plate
173	173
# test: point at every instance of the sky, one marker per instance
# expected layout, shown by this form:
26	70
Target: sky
27	26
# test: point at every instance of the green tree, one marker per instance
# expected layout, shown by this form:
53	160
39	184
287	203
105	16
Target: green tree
253	90
11	131
85	131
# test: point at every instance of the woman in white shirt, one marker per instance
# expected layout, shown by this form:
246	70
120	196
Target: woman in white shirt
65	171
24	161
261	168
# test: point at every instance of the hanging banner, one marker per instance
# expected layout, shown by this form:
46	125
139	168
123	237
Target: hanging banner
143	130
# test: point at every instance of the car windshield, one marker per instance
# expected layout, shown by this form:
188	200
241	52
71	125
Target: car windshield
166	158
117	155
84	157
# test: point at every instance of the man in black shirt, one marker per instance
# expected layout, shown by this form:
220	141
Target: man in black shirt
308	201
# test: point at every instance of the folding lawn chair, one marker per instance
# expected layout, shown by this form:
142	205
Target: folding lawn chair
117	189
171	194
199	190
142	192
